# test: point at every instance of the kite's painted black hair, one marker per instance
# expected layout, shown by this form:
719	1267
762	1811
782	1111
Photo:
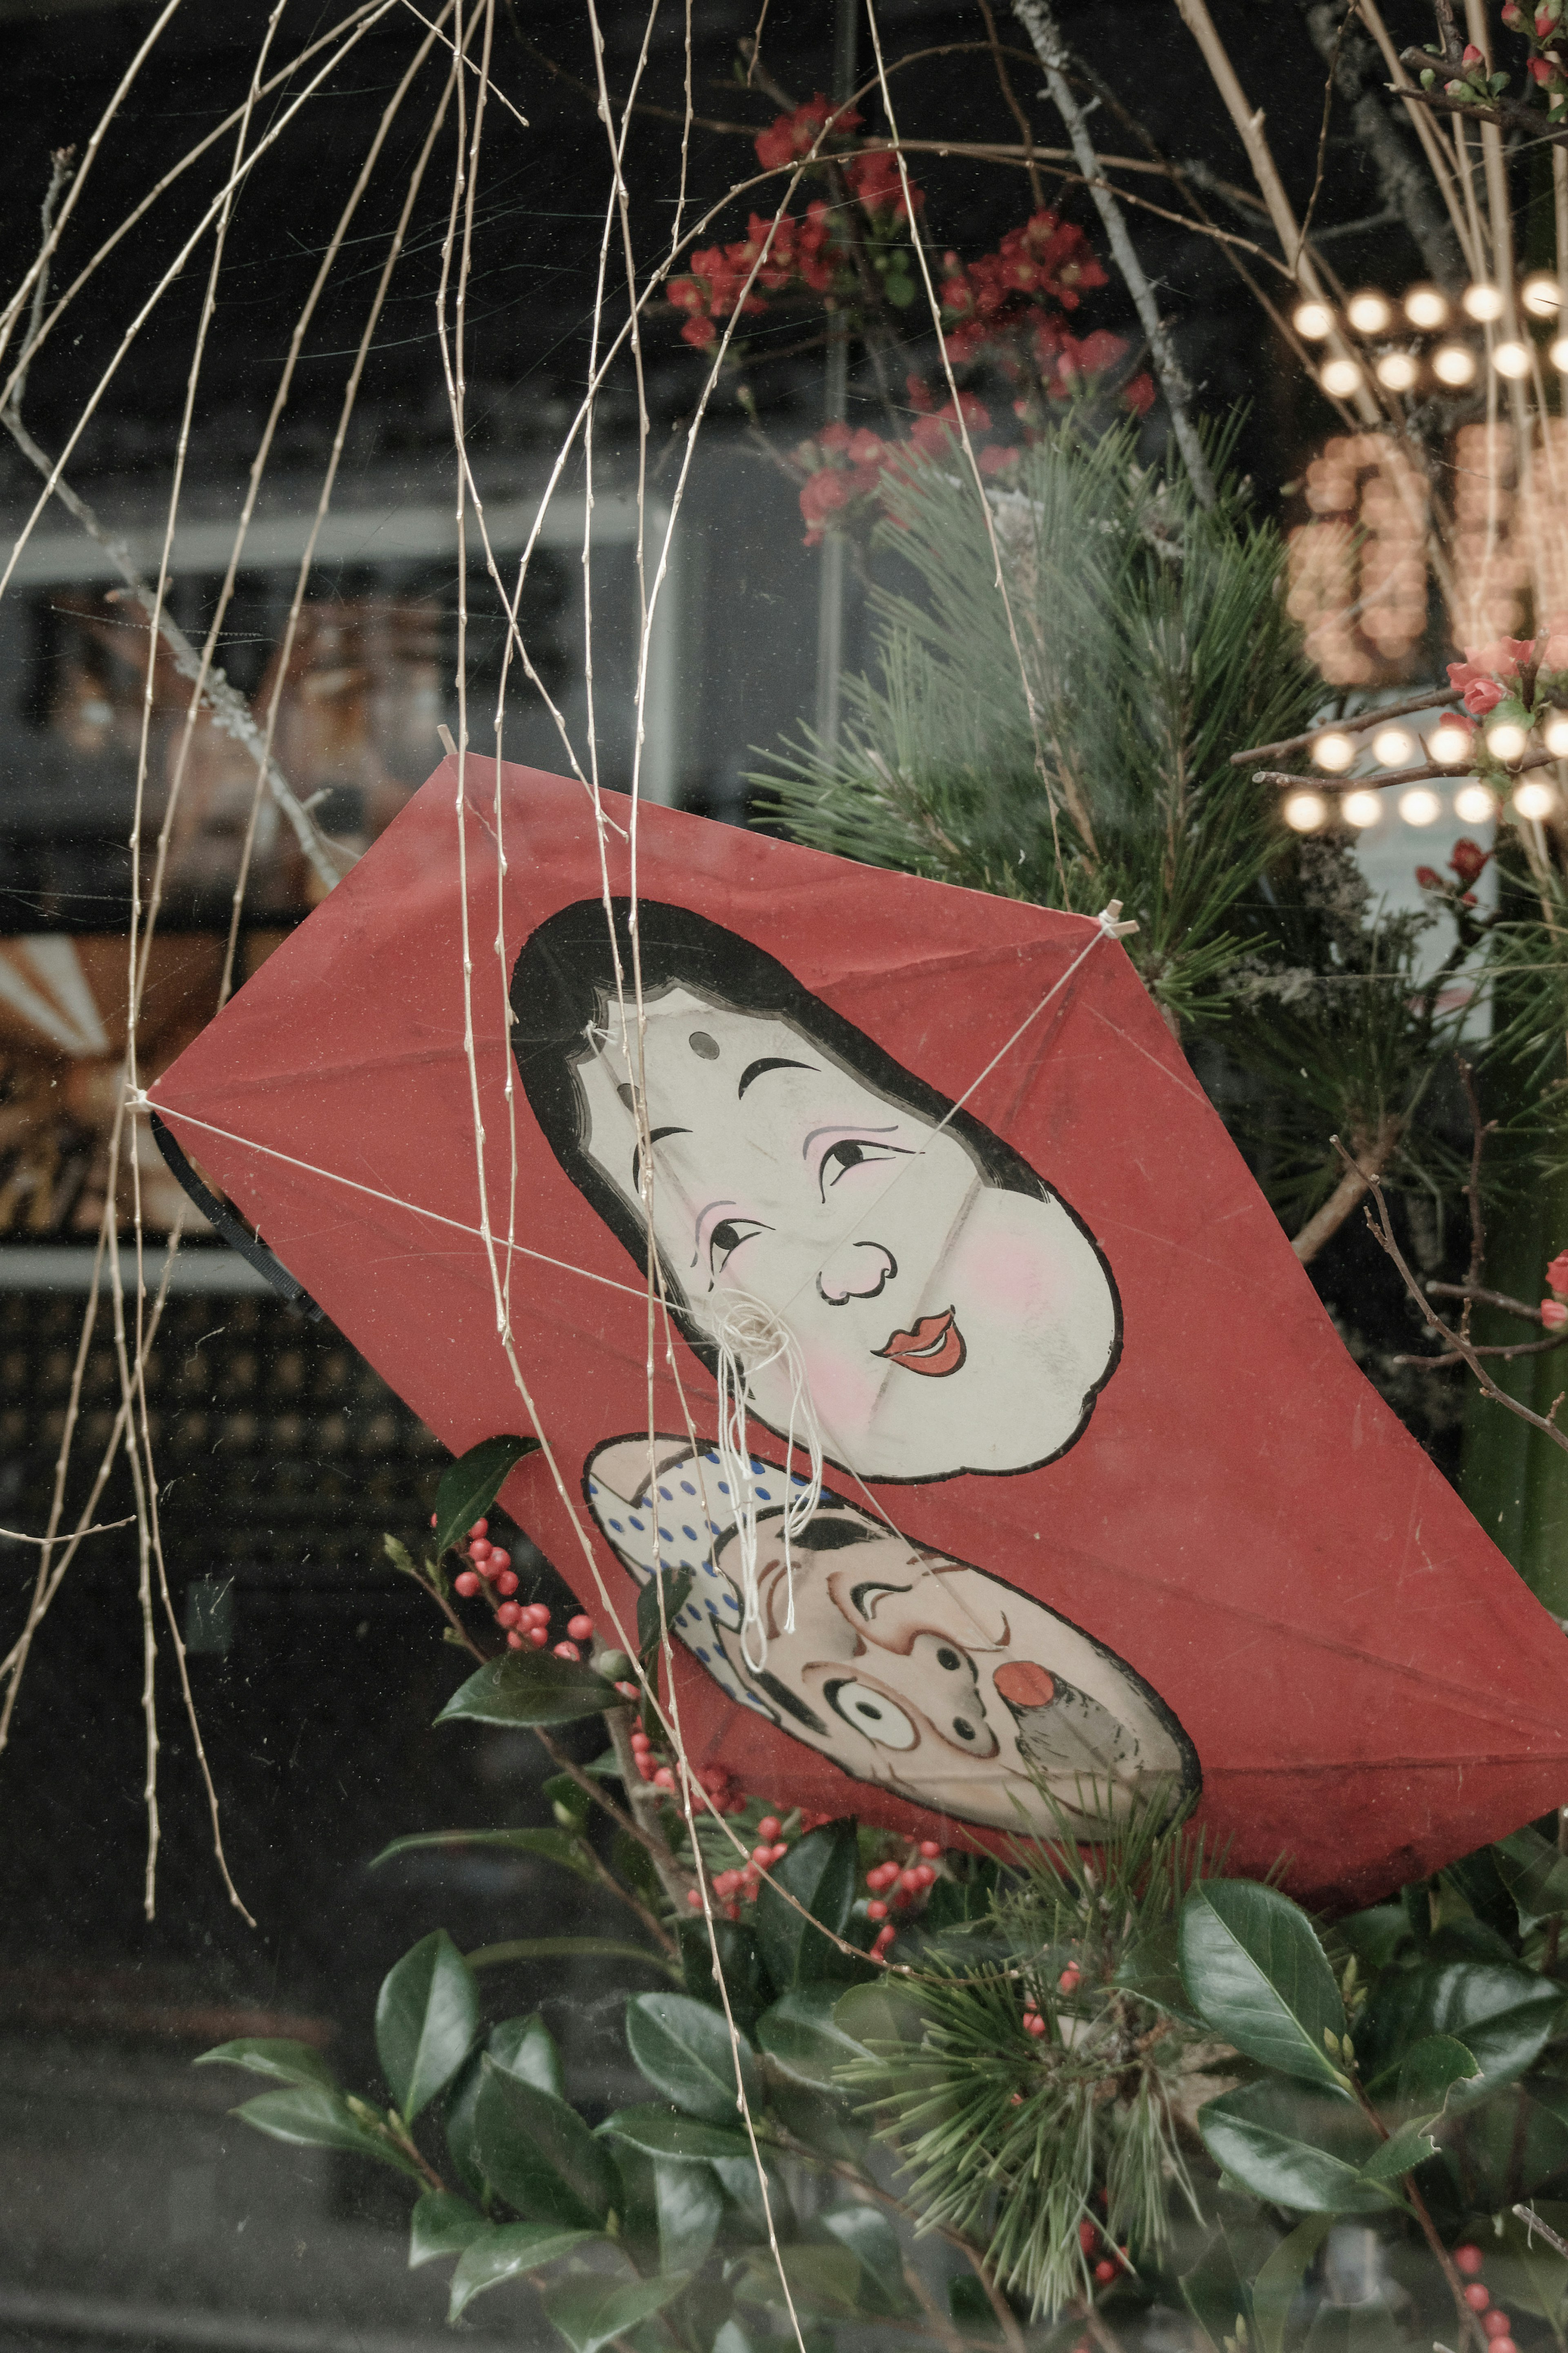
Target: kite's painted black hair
565	984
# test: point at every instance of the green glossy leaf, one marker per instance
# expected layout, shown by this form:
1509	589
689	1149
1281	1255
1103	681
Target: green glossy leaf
1504	2016
285	2063
508	2251
529	1687
557	1846
827	2280
1278	2280
822	1873
1419	2081
1217	2296
470	1484
427	2022
884	2012
519	2046
684	2049
1515	2144
738	1957
873	2242
1411	2145
804	2039
676	1586
442	2226
1295	2147
567	1949
739	2178
539	2154
1255	1970
311	2117
664	2132
1535	1875
689	2206
590	2312
1374	1936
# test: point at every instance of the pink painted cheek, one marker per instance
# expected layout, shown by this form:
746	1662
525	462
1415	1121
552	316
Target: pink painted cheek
1003	1276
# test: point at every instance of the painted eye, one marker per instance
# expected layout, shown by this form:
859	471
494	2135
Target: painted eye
872	1712
850	1153
726	1239
948	1659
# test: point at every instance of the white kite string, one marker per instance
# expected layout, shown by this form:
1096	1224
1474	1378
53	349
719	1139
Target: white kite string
750	1338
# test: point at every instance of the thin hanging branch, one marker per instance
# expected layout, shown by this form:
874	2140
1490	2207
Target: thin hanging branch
1040	25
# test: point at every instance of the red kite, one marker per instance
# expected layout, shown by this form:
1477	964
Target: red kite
1000	1431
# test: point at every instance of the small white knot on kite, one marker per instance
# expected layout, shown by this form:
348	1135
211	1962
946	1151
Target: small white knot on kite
1111	924
136	1099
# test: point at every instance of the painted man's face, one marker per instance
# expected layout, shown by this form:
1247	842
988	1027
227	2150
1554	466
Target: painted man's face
945	1324
948	1687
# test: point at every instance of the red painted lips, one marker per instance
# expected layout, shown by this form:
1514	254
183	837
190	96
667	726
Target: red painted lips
935	1347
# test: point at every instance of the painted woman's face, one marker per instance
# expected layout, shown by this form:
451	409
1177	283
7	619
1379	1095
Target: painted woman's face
945	1324
911	1671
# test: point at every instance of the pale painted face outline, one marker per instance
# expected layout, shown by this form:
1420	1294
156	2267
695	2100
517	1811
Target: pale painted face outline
947	1322
911	1671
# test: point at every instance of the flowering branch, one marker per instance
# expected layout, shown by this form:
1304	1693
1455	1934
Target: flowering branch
1039	22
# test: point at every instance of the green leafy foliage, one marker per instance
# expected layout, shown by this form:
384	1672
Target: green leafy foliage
1253	1967
539	2154
1295	2146
1503	2016
803	2038
685	2051
470	1484
557	1846
529	1687
590	2313
821	1873
509	2251
442	2226
427	2022
661	2131
312	2116
285	2062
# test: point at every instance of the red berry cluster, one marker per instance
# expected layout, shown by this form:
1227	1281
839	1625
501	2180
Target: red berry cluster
717	1783
526	1623
1469	2260
897	1884
1069	1982
733	1888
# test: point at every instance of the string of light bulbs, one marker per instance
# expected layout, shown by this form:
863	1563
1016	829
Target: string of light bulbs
1400	364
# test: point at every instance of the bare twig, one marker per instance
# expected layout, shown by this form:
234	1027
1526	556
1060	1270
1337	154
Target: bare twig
1040	23
1381	1227
1362	722
1362	1174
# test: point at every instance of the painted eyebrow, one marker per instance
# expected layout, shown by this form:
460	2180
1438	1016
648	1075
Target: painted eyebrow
656	1137
768	1062
871	1585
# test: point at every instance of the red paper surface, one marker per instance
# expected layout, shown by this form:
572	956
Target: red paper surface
1242	1565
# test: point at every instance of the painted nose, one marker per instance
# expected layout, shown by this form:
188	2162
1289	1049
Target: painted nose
858	1271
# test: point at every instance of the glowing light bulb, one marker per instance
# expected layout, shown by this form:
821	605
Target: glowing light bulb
1396	371
1339	378
1361	809
1313	320
1424	307
1392	747
1554	734
1454	364
1511	359
1541	295
1483	302
1369	312
1305	812
1506	740
1448	743
1420	805
1535	800
1335	750
1475	805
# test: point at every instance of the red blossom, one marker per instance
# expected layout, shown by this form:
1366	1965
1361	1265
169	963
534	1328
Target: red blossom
1480	689
1139	394
875	180
790	136
1553	1314
1557	1276
1472	57
1468	860
1428	879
